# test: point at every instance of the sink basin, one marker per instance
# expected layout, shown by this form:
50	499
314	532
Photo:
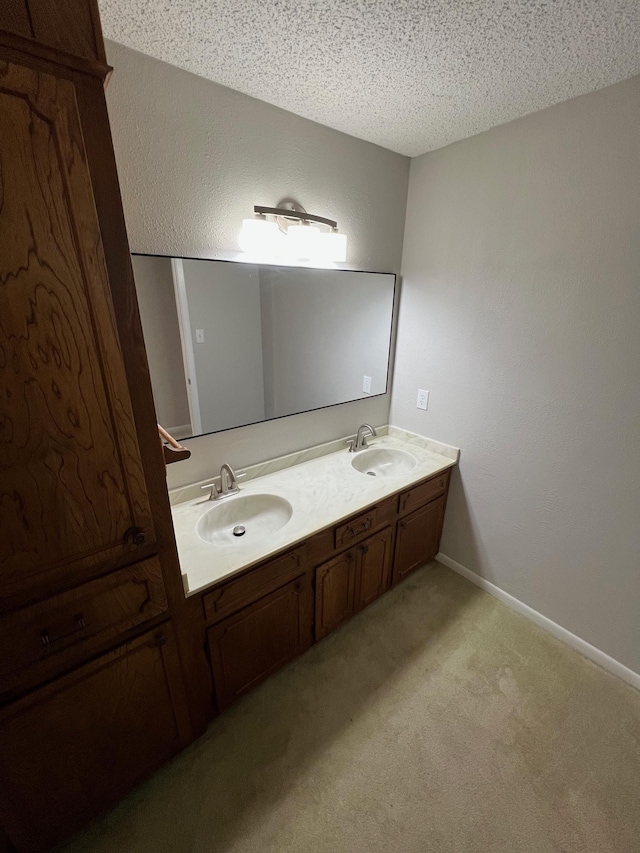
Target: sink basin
253	517
383	462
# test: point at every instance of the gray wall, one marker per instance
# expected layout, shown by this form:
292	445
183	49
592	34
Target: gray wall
520	312
156	298
322	333
194	157
229	362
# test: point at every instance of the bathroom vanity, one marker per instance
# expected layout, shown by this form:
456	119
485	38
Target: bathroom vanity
358	524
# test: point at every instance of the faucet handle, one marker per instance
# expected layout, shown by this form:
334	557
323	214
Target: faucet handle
214	493
352	444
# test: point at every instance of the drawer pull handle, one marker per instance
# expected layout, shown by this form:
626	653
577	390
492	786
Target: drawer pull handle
136	535
355	531
48	641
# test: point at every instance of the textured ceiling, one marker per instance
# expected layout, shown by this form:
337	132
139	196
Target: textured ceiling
410	75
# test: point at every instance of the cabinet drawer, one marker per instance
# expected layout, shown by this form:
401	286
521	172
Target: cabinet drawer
422	494
31	640
259	581
361	525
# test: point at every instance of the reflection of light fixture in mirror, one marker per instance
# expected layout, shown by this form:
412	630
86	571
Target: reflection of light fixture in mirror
289	232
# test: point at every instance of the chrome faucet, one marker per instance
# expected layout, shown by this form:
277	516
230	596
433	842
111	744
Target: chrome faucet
228	481
228	484
360	441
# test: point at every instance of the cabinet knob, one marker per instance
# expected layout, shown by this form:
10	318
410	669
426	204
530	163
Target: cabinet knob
161	640
365	549
403	525
136	535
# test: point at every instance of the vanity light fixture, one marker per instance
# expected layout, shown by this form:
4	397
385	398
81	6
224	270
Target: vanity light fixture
288	232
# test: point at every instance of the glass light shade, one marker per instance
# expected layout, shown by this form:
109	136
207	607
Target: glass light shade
259	236
302	241
332	246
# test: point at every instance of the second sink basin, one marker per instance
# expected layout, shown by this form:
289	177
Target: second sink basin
252	517
383	462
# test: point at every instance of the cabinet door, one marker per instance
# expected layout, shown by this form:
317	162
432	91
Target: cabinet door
418	538
372	572
73	496
335	583
258	640
72	748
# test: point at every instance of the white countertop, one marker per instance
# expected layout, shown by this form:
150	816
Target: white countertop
322	491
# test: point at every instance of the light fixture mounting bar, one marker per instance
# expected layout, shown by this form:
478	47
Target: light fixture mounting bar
294	214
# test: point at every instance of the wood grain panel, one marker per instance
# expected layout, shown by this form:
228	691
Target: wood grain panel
237	593
418	538
14	18
72	487
373	568
249	646
334	593
423	493
70	749
38	641
68	25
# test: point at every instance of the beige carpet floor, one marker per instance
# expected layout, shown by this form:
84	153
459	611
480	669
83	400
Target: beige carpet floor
437	721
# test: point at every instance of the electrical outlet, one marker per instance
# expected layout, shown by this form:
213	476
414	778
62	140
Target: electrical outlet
199	336
366	384
423	399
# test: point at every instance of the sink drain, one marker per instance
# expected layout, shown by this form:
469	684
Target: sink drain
371	473
239	530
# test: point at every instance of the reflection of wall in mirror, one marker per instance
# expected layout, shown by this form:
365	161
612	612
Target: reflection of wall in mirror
228	364
259	342
157	302
323	331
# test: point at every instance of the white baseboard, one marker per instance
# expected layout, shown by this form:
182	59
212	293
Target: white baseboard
580	645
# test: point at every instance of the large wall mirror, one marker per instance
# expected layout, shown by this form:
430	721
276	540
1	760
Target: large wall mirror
232	343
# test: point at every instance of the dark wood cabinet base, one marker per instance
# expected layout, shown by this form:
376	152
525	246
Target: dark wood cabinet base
274	611
70	749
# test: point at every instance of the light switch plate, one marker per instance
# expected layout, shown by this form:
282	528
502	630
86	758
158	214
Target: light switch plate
423	399
366	384
199	336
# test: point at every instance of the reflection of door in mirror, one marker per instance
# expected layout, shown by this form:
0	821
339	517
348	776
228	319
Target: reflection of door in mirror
157	303
231	344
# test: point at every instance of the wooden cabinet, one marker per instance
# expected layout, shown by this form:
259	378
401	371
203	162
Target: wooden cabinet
351	581
421	494
76	623
87	555
335	585
418	538
66	25
238	592
73	494
373	568
259	639
67	750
